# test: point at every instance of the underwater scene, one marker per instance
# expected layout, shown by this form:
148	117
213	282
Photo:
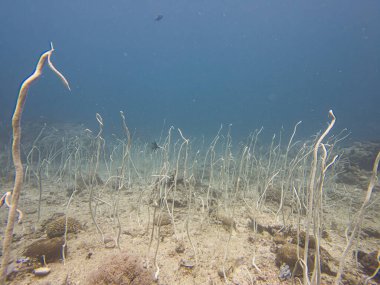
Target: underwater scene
189	142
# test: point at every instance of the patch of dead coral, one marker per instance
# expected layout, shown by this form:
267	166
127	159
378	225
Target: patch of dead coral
121	268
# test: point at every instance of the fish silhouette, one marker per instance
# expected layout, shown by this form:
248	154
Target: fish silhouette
159	17
154	146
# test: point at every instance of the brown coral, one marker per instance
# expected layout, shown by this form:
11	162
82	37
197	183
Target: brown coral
288	254
50	248
57	227
121	269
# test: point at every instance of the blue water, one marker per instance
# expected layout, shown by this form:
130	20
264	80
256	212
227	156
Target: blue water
205	63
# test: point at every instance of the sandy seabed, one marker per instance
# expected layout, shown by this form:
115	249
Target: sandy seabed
197	230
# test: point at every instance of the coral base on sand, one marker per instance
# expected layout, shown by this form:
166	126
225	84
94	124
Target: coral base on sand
120	269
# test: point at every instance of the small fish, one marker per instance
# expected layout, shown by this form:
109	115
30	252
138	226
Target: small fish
159	17
154	146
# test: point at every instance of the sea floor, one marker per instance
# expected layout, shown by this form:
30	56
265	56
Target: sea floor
204	227
197	249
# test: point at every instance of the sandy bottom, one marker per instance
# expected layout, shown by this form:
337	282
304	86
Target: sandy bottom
248	257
